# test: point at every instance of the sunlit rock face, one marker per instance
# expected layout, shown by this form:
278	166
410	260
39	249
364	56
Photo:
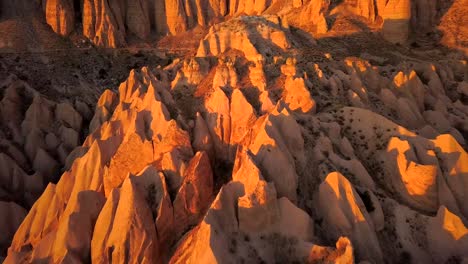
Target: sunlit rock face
60	15
261	145
396	15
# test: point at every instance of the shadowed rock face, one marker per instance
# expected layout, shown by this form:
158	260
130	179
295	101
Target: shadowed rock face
262	145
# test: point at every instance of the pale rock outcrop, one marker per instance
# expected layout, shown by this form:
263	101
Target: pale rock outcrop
176	18
207	242
104	109
257	208
276	142
413	179
226	75
345	214
311	17
124	229
267	103
411	87
75	230
237	34
438	121
212	240
172	154
242	116
218	120
194	194
257	74
454	165
202	140
41	219
297	96
45	164
153	185
364	8
39	115
447	236
14	180
289	69
192	72
99	166
131	157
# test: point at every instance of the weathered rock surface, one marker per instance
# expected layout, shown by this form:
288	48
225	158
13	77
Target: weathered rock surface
37	136
396	15
60	15
344	214
452	26
251	35
260	149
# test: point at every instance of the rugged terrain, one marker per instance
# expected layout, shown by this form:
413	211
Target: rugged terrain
233	131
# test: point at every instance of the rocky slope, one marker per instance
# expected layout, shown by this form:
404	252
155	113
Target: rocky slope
251	151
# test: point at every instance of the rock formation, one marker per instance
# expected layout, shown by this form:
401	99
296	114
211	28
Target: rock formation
452	26
265	144
396	16
60	15
37	137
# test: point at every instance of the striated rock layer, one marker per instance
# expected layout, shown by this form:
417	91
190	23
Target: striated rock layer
112	23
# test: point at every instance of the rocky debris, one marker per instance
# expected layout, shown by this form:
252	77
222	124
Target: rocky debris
192	72
345	214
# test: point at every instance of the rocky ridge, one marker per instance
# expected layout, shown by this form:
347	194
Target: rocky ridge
258	155
114	23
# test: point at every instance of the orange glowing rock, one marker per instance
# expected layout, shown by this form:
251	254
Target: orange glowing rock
447	236
345	214
60	15
194	194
